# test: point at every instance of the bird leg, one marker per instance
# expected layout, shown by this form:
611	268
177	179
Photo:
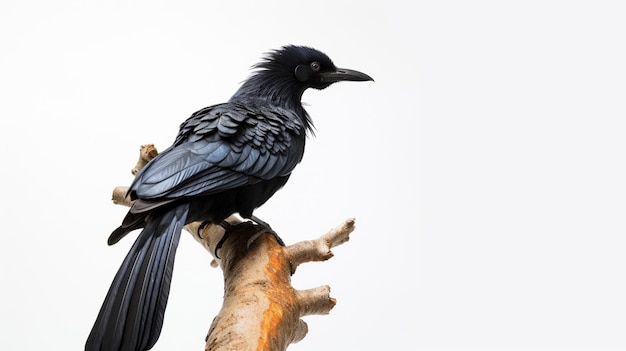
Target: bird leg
266	229
228	228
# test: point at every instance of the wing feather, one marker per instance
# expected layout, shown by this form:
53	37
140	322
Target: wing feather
220	148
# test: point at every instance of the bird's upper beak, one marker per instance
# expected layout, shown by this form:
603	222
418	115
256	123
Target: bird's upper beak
342	74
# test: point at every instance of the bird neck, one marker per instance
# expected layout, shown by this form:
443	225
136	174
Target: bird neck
268	88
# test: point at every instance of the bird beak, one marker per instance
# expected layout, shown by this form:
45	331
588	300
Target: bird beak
342	74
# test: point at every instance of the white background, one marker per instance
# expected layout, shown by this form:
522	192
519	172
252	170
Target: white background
485	166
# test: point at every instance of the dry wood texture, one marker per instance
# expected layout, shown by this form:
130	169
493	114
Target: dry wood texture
260	310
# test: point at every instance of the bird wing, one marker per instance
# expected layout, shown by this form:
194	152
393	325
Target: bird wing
223	147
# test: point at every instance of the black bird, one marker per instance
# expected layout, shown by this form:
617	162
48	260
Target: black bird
227	158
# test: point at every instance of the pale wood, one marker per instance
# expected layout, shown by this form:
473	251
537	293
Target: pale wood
260	310
146	153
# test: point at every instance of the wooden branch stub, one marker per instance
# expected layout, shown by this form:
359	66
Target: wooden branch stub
319	249
316	301
119	196
146	153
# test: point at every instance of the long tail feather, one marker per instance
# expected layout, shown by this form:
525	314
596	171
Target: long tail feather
131	316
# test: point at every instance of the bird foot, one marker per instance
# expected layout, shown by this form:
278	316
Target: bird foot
266	229
228	228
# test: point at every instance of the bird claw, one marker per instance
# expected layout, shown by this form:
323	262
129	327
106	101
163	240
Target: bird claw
266	229
228	228
254	237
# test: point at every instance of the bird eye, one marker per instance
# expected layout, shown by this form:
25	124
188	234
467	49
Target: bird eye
315	66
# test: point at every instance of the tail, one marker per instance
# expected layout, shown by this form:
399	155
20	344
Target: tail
131	316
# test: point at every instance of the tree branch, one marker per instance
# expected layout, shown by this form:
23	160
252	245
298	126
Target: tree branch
319	249
260	310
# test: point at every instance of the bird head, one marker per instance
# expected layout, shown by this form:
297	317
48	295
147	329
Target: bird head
308	67
313	68
297	68
283	75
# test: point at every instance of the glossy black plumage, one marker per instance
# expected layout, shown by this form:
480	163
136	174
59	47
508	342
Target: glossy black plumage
227	158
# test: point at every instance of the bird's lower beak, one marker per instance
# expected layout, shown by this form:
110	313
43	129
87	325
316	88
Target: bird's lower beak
343	74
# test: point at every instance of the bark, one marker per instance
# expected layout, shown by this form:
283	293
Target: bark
260	310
